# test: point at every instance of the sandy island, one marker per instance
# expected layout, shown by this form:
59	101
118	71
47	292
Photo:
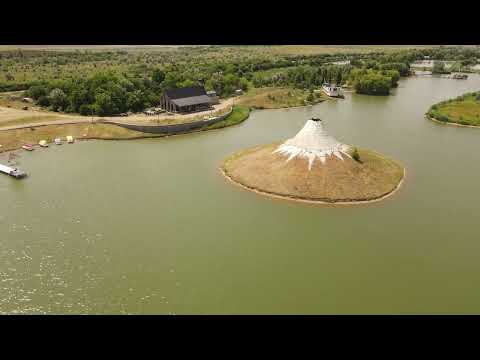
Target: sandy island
336	182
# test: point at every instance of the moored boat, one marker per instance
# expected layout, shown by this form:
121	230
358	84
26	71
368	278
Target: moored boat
332	90
28	147
43	143
58	141
70	139
459	76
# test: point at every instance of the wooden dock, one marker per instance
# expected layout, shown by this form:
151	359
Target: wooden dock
16	173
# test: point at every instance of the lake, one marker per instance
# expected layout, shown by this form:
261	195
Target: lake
151	227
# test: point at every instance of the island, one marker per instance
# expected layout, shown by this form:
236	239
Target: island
461	111
315	167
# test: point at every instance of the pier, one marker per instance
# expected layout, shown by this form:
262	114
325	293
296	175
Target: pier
16	173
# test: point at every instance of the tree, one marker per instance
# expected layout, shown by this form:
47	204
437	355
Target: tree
438	67
158	76
37	91
43	101
57	99
103	104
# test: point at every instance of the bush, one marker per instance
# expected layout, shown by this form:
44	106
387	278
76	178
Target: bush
356	155
43	101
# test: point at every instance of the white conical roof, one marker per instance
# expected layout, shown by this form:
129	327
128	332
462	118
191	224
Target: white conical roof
312	142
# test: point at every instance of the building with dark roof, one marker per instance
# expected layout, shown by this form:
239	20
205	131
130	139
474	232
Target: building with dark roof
185	100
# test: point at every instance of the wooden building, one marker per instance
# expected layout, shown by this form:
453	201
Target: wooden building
185	100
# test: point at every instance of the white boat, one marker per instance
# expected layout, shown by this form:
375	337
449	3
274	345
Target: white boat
70	139
459	76
43	143
332	90
58	141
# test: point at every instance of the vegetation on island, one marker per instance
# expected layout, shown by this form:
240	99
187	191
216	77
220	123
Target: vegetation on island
463	110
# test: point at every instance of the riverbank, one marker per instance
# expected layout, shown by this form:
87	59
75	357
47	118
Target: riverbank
461	111
336	182
15	138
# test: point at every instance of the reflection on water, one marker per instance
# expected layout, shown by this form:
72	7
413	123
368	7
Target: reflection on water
150	226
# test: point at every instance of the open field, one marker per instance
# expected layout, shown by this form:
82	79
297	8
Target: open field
464	110
11	117
275	98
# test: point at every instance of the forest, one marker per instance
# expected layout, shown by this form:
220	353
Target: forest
111	82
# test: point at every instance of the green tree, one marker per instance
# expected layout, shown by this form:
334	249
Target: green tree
158	76
103	104
438	67
57	99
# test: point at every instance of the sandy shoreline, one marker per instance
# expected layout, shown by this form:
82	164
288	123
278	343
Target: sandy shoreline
311	201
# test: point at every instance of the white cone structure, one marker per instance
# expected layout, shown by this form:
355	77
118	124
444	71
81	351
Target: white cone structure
313	142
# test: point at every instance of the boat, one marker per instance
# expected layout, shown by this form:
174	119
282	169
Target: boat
43	143
332	90
459	76
70	139
28	147
16	173
58	141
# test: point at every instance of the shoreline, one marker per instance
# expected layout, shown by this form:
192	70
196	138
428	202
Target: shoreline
134	137
311	201
451	123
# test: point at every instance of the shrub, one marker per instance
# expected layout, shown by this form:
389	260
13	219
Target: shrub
43	101
356	155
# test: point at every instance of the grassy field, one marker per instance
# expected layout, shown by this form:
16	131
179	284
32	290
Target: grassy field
274	98
335	181
463	110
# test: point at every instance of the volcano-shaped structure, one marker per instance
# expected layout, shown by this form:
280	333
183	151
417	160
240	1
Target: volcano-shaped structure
313	142
314	166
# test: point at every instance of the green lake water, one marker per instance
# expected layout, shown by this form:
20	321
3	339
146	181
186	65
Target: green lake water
151	227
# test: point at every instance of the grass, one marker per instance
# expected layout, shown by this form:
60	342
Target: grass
238	115
276	97
463	110
335	181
